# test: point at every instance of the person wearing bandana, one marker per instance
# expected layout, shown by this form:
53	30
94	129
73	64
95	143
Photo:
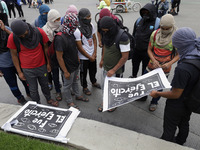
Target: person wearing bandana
186	75
142	32
30	60
67	56
161	51
7	69
42	19
87	45
51	28
113	59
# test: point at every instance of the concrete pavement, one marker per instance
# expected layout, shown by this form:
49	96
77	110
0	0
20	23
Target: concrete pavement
94	135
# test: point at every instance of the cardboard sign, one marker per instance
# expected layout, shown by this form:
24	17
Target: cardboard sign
120	91
42	121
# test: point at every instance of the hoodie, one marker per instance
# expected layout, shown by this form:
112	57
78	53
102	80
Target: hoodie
143	29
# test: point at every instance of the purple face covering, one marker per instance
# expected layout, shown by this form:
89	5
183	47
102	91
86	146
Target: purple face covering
188	46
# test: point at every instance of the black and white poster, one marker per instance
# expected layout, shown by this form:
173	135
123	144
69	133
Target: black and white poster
120	91
42	121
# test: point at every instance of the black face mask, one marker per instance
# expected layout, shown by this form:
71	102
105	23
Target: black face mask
86	21
109	36
146	17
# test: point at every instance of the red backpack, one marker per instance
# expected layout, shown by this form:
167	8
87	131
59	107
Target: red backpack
51	54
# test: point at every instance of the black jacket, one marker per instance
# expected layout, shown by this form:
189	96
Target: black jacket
143	29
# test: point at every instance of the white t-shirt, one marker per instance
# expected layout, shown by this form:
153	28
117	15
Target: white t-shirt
88	44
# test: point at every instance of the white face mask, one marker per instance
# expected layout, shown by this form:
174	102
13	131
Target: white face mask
166	32
57	23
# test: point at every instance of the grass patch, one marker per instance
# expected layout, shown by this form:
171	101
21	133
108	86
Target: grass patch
10	141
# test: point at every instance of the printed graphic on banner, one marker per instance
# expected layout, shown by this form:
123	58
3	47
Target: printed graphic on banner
120	91
41	120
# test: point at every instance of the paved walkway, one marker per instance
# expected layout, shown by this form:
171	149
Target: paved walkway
94	135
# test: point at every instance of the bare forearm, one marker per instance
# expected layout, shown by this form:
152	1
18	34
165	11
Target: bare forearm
168	94
15	60
95	44
81	50
121	62
61	62
175	59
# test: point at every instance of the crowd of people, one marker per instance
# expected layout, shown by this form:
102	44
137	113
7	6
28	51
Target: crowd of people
158	43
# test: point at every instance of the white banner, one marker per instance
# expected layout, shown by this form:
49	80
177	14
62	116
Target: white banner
120	91
42	121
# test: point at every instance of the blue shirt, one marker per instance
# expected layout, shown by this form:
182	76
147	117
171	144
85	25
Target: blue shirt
5	58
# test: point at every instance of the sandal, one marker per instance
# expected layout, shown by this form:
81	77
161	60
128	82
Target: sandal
72	105
100	108
111	110
97	85
82	99
152	107
53	103
86	91
58	96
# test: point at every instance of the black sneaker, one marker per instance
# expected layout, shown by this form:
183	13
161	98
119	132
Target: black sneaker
22	100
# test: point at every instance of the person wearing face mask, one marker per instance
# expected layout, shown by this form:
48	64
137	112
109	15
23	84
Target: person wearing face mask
30	61
67	56
113	59
143	27
87	45
186	75
42	19
161	51
51	28
70	9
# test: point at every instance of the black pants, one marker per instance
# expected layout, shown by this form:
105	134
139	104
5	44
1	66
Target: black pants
20	11
4	18
92	67
176	115
11	7
175	4
136	60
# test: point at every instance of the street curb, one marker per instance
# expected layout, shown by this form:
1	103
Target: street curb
94	135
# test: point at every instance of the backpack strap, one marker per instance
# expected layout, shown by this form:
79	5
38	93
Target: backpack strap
119	34
17	43
41	38
154	37
63	37
138	20
157	23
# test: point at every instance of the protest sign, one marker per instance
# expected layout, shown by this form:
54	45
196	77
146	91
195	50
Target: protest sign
120	91
42	121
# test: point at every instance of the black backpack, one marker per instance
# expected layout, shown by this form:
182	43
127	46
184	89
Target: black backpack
192	101
124	29
1	8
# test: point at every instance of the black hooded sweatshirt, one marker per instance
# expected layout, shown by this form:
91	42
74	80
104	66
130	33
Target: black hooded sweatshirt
142	30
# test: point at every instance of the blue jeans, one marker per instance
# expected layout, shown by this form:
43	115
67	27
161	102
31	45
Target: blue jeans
11	79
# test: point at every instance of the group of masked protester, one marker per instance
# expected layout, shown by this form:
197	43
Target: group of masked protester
158	44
